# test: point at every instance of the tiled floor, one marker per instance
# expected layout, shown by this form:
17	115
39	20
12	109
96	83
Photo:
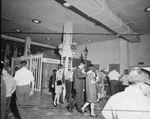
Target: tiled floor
40	107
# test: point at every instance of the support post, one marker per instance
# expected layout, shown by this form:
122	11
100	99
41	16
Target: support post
66	57
27	46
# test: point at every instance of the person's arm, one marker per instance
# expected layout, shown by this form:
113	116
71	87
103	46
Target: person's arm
121	78
16	77
80	74
32	84
13	87
92	77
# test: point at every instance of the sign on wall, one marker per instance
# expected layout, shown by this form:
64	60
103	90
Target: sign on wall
104	67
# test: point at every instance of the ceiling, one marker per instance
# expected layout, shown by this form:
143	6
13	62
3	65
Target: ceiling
18	14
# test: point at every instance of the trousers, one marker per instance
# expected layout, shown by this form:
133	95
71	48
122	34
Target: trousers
114	86
78	99
22	94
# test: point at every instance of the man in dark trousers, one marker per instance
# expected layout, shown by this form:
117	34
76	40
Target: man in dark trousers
24	78
52	83
79	76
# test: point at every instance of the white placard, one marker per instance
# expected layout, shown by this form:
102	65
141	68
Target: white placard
54	61
104	67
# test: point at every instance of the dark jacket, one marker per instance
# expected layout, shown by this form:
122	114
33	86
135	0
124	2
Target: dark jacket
78	78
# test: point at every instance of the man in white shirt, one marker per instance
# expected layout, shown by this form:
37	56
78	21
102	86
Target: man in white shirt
68	84
24	78
134	102
114	81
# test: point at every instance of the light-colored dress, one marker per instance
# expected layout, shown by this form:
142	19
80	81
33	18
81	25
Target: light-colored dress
91	95
59	76
100	84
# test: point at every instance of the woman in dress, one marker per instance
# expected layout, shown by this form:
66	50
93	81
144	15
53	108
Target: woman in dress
91	94
58	85
100	85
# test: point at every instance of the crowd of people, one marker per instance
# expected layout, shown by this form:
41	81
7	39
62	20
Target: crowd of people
21	84
126	91
129	93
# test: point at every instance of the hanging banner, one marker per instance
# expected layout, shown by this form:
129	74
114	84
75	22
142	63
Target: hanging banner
66	57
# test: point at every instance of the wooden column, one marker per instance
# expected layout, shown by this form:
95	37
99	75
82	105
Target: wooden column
124	55
6	60
15	50
27	46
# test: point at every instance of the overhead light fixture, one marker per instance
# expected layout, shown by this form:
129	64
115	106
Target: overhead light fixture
89	40
36	21
48	39
117	35
147	9
66	4
18	31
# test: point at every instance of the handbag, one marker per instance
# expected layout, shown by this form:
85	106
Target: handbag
59	82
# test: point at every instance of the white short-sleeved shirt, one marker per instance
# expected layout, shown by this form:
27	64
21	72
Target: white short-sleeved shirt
23	77
114	75
129	104
124	79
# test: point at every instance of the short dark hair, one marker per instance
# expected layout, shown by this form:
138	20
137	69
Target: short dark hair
82	62
8	69
126	71
102	71
54	70
16	68
23	63
91	67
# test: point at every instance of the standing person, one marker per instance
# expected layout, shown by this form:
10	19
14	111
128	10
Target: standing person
124	80
10	87
58	85
3	97
13	105
114	81
68	84
79	75
24	78
91	93
134	101
100	84
52	83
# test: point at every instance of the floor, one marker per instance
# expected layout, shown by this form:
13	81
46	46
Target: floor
40	107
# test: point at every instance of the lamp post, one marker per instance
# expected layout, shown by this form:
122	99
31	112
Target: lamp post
86	53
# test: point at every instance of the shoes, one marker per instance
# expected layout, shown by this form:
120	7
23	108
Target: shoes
58	104
55	105
69	109
93	116
81	111
85	111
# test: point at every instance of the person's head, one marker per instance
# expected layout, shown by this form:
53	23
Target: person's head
115	68
54	71
126	71
23	63
81	65
16	68
141	78
60	66
91	67
102	71
6	70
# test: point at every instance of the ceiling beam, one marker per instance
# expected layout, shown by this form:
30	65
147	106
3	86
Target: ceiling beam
23	41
